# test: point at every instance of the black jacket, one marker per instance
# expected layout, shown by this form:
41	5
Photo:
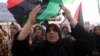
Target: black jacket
81	47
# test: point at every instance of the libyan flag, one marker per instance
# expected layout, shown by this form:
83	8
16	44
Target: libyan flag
78	13
21	8
76	10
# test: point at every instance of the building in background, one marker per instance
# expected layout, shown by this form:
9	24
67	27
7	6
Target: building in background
5	15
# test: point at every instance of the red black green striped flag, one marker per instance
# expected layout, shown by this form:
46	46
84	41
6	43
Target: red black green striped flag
21	8
76	10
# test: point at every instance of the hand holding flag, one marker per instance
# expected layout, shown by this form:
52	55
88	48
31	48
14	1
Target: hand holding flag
67	14
31	19
34	12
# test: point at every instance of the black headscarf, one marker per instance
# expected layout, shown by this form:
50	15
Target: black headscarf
55	28
60	48
95	29
97	38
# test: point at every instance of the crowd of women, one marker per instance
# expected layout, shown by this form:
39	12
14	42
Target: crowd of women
51	40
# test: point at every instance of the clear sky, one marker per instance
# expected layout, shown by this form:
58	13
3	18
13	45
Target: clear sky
90	11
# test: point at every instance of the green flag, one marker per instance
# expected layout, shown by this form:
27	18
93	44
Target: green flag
52	9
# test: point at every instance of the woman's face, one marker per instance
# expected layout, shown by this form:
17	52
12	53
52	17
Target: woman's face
52	36
38	31
13	30
65	30
97	31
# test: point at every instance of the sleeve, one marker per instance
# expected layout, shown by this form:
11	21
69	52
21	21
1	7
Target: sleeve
84	40
20	48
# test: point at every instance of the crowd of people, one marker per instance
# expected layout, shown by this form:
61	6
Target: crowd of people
51	40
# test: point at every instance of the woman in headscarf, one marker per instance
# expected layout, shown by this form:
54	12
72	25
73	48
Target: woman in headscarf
96	33
54	45
66	33
14	28
39	34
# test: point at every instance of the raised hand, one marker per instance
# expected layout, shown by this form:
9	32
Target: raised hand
31	20
66	12
34	12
